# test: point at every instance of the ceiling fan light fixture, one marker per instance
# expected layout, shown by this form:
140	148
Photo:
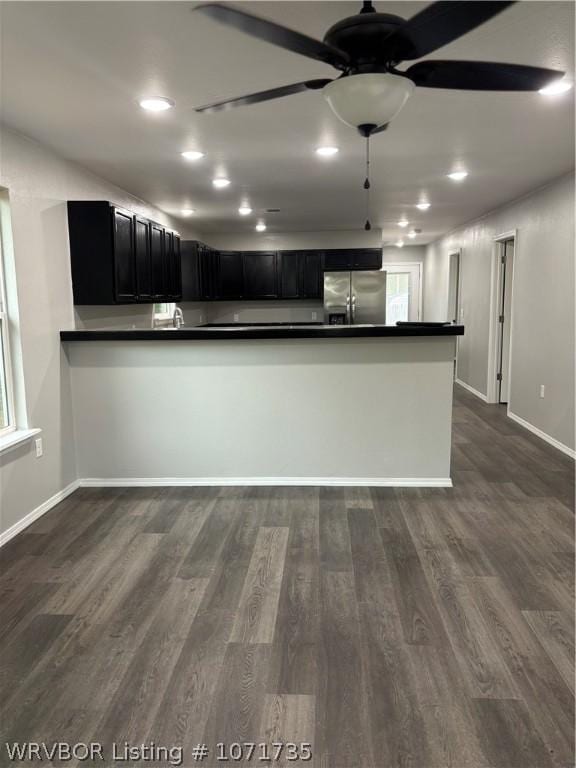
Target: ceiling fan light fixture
371	99
260	227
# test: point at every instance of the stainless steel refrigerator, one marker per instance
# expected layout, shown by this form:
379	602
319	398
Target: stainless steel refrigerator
355	298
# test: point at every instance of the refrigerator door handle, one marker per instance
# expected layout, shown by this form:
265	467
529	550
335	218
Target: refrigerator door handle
354	308
348	319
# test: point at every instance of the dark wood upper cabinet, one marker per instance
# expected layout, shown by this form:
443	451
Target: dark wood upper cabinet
290	274
226	275
118	257
230	275
157	259
312	274
260	275
343	259
123	234
143	261
190	255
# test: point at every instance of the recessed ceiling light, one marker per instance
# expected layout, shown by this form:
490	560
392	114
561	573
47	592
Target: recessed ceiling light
220	182
156	104
412	235
193	154
400	244
260	227
423	206
558	86
403	223
187	211
458	175
244	210
327	151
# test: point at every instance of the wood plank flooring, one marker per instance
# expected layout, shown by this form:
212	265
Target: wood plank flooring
387	628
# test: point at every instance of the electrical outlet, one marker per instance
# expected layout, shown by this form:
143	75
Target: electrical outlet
314	315
236	318
542	391
39	447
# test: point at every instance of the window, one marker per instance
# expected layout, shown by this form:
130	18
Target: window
164	311
7	417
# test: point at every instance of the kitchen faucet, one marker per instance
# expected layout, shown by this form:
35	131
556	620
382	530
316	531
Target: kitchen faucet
177	318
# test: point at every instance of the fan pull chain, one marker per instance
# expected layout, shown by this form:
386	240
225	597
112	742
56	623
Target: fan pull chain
367	226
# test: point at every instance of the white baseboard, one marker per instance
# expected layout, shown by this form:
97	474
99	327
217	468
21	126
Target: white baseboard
38	512
143	482
543	435
472	390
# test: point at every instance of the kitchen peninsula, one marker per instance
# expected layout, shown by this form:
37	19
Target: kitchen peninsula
302	405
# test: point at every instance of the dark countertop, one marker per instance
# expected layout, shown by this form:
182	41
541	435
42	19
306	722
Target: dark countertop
238	331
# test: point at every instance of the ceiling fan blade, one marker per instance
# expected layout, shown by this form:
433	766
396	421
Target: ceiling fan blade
480	76
276	34
273	93
441	23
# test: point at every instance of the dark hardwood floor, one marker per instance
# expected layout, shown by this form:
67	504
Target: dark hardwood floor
413	628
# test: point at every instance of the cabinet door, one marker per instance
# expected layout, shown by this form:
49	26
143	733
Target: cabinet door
337	259
312	286
157	258
208	263
230	275
177	267
143	261
124	261
172	269
367	258
289	272
190	263
260	278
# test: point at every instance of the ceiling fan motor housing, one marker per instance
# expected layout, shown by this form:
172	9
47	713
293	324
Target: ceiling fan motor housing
363	38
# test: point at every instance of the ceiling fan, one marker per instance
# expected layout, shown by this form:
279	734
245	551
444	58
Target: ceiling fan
367	48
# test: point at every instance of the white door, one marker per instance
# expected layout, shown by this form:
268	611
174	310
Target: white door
506	267
403	296
454	288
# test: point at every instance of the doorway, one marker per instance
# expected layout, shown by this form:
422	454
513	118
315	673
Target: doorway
454	275
501	314
403	292
506	268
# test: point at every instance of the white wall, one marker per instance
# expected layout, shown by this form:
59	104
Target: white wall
255	241
261	410
543	311
39	184
410	253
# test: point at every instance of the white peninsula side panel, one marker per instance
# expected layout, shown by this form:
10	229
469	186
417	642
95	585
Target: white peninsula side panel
314	411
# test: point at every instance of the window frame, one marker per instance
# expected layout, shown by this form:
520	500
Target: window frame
5	358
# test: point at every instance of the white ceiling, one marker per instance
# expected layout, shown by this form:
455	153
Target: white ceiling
73	70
